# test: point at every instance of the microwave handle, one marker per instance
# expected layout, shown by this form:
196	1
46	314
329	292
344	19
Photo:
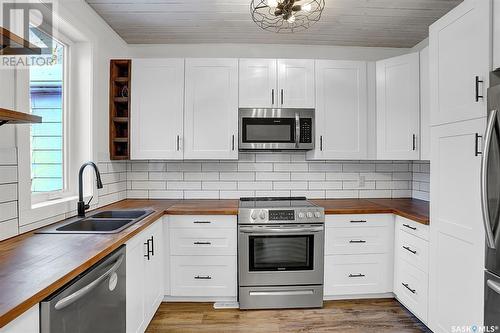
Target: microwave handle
297	130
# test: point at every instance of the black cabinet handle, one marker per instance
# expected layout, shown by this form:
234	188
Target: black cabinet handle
356	275
478	81
409	227
202	222
272	97
321	142
357	241
358	221
207	277
408	287
148	251
178	142
282	96
232	142
202	243
414	141
407	248
477	152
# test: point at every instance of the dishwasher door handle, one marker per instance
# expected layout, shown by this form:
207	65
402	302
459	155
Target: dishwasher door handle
68	300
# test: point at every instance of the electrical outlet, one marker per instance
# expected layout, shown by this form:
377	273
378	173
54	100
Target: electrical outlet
361	182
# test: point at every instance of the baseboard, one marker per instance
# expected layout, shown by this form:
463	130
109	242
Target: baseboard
357	296
207	299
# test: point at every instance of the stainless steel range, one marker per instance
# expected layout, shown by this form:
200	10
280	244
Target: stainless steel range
280	253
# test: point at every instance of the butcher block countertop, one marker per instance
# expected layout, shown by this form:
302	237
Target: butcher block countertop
33	266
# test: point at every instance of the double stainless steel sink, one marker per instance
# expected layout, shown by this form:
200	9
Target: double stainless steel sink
104	222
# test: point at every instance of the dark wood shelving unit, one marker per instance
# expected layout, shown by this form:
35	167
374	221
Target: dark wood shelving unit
119	109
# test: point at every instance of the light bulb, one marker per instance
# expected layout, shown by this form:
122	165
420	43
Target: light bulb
291	19
306	7
272	3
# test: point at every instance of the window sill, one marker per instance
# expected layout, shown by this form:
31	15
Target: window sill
54	202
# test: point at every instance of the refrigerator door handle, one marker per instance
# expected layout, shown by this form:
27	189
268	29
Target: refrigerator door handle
484	179
495	286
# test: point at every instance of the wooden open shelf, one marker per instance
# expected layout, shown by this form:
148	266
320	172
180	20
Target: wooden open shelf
14	117
12	44
119	109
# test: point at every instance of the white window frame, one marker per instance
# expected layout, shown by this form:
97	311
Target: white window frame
66	191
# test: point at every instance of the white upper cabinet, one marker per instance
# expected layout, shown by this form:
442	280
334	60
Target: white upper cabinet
296	83
211	109
425	106
496	34
457	240
157	108
341	110
258	83
460	62
398	108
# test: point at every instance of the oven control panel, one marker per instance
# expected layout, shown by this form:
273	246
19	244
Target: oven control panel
302	215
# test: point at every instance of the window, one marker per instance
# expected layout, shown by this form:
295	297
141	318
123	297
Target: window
47	99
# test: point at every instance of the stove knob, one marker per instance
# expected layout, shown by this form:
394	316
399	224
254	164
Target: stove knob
301	215
309	214
262	215
253	216
317	214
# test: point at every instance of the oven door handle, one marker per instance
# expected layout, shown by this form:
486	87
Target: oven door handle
297	130
252	230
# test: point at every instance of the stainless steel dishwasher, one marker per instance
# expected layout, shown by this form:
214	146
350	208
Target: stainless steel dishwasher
92	302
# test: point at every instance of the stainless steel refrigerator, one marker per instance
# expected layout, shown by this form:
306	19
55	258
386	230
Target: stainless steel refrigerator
490	198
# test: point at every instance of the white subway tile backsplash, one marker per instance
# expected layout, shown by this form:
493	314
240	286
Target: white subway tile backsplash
272	176
219	185
276	174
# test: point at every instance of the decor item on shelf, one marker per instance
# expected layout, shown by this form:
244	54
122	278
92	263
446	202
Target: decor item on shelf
124	92
286	16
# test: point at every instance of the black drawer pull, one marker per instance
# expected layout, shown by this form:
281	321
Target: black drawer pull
202	222
358	221
408	287
407	248
409	227
202	243
357	241
207	277
478	96
356	275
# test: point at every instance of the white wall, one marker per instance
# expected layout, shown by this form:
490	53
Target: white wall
263	51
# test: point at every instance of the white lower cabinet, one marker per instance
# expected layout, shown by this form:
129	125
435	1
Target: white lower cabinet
28	322
202	276
144	276
411	267
358	254
203	260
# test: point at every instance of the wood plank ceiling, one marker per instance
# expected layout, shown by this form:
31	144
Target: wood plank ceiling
378	23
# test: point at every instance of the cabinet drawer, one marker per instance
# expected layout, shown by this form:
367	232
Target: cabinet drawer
414	250
208	242
202	221
359	240
358	274
411	289
358	220
412	227
198	276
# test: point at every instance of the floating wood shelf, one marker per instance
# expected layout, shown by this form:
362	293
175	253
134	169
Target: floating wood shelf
12	44
119	109
14	117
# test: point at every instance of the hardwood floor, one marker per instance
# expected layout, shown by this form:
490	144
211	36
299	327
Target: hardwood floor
380	315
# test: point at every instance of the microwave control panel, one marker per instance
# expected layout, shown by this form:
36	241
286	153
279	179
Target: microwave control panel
306	130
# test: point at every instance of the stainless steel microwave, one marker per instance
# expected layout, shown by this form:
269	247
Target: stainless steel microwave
276	129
